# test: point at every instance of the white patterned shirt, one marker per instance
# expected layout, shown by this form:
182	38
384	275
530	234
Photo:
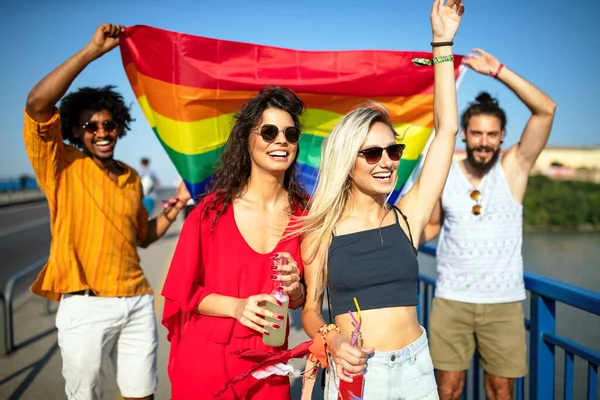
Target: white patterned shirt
479	257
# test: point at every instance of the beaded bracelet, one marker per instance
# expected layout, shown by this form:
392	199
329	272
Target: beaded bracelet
322	335
436	60
441	59
314	370
325	329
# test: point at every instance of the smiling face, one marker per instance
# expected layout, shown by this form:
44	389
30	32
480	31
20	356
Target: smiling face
379	178
483	136
275	156
100	136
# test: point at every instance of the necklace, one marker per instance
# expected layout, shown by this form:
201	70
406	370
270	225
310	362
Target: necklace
386	209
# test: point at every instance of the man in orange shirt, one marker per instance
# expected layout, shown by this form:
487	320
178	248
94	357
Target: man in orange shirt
97	222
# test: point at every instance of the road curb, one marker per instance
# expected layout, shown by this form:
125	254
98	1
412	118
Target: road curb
23	201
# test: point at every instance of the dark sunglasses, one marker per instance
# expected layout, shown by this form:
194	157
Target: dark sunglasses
477	208
91	127
270	132
373	154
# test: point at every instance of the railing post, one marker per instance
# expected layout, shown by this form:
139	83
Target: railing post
569	376
476	377
426	307
542	319
8	315
419	316
592	381
520	388
3	328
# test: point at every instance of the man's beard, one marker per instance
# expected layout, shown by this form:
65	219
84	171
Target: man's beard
482	166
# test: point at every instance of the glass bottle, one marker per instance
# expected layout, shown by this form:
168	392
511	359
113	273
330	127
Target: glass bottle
276	337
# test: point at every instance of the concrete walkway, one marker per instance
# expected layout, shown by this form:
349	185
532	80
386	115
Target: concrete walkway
33	371
20	196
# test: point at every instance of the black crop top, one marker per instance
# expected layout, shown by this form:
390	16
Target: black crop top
378	274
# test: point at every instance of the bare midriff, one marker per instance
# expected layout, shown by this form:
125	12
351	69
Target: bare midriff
384	329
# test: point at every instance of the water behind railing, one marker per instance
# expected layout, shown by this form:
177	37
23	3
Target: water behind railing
571	258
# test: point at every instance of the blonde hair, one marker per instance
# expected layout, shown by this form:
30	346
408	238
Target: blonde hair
334	182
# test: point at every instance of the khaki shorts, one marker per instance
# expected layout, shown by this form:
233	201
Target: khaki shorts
498	331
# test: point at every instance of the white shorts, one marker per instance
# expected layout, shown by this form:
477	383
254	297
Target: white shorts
402	374
92	329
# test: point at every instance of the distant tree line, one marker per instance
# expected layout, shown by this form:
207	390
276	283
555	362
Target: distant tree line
561	204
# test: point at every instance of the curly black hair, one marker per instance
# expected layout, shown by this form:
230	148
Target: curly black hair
94	99
484	104
233	171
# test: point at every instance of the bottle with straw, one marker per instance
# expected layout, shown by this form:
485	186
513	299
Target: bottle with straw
353	390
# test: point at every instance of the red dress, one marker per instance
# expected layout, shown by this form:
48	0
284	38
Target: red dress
221	262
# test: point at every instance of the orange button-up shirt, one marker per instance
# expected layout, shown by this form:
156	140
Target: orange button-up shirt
96	223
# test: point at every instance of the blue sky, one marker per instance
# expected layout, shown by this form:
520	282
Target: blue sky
551	43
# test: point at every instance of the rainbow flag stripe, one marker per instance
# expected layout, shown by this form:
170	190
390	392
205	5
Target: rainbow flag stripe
190	87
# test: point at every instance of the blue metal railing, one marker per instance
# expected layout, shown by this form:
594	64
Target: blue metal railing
14	184
543	340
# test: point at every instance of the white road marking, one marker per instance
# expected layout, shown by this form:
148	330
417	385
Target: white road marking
15	209
25	226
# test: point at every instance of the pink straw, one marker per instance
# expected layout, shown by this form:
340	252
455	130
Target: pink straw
356	329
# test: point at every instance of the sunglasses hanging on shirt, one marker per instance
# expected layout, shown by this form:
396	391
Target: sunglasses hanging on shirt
477	208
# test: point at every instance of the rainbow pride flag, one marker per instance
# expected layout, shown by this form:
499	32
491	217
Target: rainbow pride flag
190	87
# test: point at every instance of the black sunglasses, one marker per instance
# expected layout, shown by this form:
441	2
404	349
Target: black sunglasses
373	154
270	132
91	127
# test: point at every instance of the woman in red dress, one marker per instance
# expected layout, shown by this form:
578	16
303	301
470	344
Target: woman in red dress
224	264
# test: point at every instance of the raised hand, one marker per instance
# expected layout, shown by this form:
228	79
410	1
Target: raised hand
106	38
482	62
445	19
251	312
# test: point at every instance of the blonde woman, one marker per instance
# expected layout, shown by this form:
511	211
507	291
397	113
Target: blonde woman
356	245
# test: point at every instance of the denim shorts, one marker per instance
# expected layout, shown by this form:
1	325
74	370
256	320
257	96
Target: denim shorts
405	374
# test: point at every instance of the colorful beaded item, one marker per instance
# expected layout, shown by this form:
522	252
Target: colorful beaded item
319	346
441	59
424	62
315	368
325	329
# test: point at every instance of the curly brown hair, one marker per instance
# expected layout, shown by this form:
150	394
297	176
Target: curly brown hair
234	167
94	99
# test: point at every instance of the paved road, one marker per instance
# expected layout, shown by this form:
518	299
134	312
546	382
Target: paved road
24	239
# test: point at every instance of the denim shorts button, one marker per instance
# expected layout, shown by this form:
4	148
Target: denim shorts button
393	358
